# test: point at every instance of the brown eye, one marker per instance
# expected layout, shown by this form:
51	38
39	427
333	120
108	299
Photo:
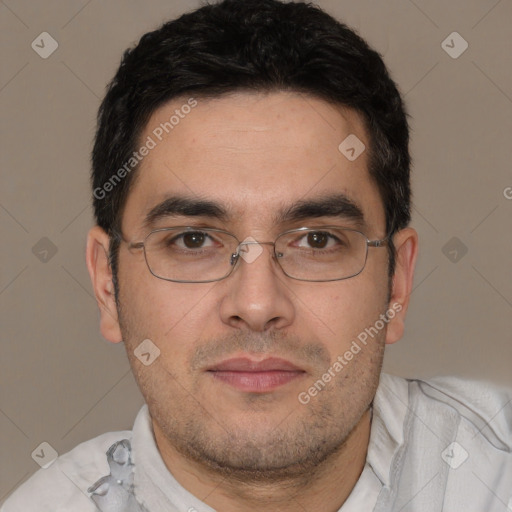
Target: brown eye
318	240
193	240
188	241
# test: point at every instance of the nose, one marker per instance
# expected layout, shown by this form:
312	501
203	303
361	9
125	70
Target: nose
256	295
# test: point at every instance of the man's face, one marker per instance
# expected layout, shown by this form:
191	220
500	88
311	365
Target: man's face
256	156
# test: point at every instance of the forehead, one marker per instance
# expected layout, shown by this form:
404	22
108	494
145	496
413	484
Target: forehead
255	154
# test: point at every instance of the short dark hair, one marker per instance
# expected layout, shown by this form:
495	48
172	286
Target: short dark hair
251	45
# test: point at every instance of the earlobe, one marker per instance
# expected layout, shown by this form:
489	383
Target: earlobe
100	273
406	245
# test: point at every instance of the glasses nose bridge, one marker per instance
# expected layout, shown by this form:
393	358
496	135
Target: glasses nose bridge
240	246
235	256
254	242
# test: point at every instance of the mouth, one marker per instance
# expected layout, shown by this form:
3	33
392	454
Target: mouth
253	376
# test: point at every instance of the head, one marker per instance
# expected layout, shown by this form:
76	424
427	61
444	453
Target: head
242	108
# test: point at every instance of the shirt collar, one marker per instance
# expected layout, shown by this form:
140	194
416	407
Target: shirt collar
390	407
155	486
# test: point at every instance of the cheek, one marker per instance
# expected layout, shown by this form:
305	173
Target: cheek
348	309
172	315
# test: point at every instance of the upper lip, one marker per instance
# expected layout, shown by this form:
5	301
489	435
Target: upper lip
244	364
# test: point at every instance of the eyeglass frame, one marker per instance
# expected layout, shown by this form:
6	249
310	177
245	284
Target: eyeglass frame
141	245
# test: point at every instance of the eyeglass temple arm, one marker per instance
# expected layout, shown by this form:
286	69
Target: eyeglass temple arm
377	243
120	237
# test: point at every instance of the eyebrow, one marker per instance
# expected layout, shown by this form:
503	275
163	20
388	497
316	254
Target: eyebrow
178	205
332	205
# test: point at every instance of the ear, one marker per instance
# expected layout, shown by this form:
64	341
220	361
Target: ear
406	244
100	272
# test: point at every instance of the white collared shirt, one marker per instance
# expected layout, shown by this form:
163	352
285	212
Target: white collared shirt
443	445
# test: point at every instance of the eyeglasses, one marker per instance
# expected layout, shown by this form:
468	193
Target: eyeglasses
186	254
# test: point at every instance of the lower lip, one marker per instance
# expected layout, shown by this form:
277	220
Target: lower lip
257	382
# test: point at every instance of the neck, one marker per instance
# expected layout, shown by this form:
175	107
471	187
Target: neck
325	489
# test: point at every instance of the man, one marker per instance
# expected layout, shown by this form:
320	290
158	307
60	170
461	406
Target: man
252	251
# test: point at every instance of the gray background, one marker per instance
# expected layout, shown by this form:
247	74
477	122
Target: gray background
61	382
